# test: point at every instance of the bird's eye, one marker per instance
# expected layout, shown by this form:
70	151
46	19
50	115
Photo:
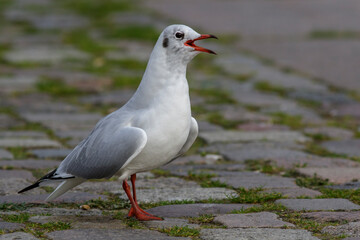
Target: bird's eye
179	35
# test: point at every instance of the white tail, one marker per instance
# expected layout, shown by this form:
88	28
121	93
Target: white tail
64	187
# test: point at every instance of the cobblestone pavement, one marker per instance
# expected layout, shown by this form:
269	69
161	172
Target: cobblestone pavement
277	155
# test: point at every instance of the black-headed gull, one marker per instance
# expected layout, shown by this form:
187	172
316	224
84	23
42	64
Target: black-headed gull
153	128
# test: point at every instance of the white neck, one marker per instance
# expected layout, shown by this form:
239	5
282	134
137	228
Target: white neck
165	74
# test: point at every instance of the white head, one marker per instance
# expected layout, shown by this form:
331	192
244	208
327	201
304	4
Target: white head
178	42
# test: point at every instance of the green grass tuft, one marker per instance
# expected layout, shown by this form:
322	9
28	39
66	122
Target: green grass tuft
19	152
294	122
135	32
218	119
181	231
82	41
18	218
267	87
269	207
215	96
97	9
204	179
56	87
206	218
253	196
265	166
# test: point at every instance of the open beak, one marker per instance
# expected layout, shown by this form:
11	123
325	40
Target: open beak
191	43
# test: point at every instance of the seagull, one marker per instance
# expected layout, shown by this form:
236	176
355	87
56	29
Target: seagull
152	129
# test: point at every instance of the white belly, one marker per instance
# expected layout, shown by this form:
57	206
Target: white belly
165	138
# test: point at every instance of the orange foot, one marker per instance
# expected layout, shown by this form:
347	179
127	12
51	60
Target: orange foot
141	215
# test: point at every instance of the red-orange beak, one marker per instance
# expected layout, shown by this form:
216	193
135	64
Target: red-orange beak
190	43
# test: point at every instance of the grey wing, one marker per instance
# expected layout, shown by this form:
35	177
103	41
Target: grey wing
104	152
193	133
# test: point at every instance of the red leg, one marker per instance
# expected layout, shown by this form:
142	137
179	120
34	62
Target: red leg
135	210
131	212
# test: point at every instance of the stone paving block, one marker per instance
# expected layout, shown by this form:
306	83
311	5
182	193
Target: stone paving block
325	98
316	57
349	147
333	216
56	21
10	226
5	154
247	136
262	127
351	229
75	134
332	132
12	185
63	117
350	109
318	204
115	187
113	234
19	142
18	235
349	185
282	156
30	164
179	194
256	233
206	126
118	97
335	174
195	210
6	174
184	170
134	18
63	211
44	54
170	222
252	220
6	121
197	159
307	115
240	114
41	102
23	134
82	222
286	80
294	192
50	153
77	197
256	180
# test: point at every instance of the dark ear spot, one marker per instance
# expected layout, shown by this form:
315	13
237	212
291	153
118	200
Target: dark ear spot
165	42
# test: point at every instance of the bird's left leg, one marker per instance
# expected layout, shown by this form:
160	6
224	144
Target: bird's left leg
135	210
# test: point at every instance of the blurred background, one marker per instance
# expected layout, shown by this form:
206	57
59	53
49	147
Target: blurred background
278	107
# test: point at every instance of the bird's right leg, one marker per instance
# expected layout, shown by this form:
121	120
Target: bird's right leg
137	212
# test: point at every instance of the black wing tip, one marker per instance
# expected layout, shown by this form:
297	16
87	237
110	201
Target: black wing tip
37	183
